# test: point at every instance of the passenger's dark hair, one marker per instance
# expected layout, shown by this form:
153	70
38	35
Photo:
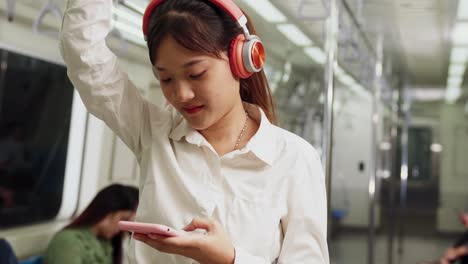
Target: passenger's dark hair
113	198
201	26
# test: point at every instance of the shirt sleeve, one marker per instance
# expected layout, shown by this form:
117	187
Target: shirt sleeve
305	224
244	257
94	71
63	248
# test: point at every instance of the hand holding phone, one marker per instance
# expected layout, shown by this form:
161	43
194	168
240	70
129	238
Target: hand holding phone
148	228
464	219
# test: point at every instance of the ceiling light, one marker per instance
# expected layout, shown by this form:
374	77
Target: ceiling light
454	81
462	10
452	94
385	146
347	80
457	70
128	16
459	55
338	70
287	72
360	90
321	98
459	36
133	34
436	147
427	94
294	34
356	88
267	10
316	54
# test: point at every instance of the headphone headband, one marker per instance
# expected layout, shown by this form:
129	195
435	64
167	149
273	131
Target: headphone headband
227	5
246	52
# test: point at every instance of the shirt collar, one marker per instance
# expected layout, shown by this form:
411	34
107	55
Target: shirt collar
182	129
263	144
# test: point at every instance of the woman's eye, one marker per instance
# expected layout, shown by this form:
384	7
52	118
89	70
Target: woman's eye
166	80
196	76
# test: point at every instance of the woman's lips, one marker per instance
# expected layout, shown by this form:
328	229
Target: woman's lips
193	110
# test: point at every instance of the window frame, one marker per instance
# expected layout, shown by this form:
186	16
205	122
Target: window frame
75	147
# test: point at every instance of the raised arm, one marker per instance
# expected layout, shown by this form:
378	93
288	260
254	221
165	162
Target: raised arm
94	71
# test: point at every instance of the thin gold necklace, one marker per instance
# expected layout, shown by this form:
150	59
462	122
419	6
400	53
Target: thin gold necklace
242	132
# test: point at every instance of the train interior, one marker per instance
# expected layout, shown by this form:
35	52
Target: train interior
376	86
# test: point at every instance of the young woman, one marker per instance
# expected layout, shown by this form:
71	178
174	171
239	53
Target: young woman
94	237
213	159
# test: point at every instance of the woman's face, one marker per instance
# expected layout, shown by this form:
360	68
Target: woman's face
200	86
109	226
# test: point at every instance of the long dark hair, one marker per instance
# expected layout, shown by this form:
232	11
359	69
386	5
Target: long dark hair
113	198
203	27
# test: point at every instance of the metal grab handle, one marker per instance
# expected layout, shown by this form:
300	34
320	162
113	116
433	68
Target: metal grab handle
11	10
51	6
301	16
130	5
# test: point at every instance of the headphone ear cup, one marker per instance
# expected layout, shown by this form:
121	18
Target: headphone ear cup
235	57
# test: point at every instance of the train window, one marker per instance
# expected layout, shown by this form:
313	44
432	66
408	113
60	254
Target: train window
35	112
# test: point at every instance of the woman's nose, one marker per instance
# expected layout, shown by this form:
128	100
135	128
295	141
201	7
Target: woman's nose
184	92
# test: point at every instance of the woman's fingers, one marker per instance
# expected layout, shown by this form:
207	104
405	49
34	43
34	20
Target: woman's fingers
214	247
201	223
166	244
183	241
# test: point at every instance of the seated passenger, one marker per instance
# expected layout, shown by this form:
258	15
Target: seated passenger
94	237
7	255
459	251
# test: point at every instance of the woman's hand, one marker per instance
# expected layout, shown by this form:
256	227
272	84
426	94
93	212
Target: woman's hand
214	247
454	253
464	219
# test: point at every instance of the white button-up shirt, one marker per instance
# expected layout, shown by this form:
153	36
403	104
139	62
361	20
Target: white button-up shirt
269	196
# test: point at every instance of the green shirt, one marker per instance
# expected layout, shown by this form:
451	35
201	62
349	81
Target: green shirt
78	246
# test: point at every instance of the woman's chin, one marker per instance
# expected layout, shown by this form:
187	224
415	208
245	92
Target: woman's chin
198	124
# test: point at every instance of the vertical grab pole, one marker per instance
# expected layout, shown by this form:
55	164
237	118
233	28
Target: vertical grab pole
395	170
404	172
329	93
375	157
3	69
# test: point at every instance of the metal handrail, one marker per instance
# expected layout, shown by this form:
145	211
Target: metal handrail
375	164
49	7
359	27
303	3
131	6
329	93
11	10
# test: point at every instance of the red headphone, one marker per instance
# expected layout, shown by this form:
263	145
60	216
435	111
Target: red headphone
246	52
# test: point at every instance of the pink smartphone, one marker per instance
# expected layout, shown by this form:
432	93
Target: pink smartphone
147	228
